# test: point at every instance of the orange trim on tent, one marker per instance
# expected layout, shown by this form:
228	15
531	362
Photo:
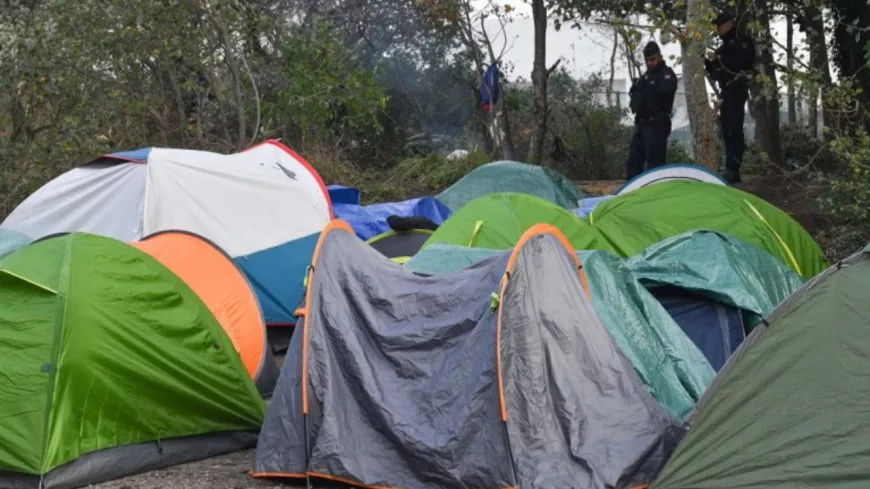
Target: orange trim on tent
536	230
305	310
265	475
214	277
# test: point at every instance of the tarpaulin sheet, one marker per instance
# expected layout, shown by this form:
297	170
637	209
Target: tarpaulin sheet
371	220
401	377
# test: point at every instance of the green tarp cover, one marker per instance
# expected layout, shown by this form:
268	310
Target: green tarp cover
102	347
632	222
672	367
11	241
511	176
721	268
790	408
498	221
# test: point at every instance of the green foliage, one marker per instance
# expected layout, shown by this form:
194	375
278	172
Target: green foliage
847	201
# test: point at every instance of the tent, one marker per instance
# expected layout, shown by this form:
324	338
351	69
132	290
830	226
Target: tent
634	221
671	172
674	370
586	205
268	191
499	220
500	375
790	407
371	220
11	241
646	300
400	246
510	176
220	284
111	366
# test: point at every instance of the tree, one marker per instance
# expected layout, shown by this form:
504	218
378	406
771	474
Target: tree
540	76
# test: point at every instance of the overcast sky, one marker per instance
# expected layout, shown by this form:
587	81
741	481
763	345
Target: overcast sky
584	51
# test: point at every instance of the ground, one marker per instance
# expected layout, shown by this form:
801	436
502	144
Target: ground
230	471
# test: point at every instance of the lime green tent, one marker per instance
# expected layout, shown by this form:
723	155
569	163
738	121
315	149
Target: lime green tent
790	408
499	220
111	365
510	176
632	222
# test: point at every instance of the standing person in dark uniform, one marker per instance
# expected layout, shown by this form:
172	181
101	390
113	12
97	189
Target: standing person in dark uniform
652	100
731	66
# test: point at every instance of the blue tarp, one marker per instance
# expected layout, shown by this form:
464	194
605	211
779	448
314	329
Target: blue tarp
715	328
340	194
586	205
139	155
371	220
277	276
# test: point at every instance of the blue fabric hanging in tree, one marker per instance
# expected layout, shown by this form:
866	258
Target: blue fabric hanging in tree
489	89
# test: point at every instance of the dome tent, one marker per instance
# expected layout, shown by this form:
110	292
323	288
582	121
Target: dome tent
268	191
111	366
214	277
511	176
11	241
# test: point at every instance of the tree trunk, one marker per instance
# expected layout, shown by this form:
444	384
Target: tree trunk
815	28
701	116
851	38
765	92
540	76
789	43
612	68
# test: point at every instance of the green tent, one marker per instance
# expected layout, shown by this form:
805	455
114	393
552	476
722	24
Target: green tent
11	241
790	408
111	365
510	176
632	222
740	276
499	220
670	365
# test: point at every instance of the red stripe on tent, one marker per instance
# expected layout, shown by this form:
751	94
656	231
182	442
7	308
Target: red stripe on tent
300	159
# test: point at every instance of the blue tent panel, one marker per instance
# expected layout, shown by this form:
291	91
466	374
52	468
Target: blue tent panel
371	220
11	241
278	275
715	328
586	205
138	155
339	194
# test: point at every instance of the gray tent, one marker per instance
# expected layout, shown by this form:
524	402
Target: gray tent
499	375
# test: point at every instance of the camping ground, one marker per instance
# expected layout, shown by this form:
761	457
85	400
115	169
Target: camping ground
231	471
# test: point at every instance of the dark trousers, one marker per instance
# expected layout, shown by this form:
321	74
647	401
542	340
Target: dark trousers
649	145
731	117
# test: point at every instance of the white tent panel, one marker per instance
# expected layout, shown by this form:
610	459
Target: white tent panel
244	202
671	172
99	199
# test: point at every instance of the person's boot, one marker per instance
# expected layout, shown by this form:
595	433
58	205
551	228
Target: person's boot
732	176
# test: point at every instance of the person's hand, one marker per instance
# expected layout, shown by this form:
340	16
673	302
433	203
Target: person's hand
711	55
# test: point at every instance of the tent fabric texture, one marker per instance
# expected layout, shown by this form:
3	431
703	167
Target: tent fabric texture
479	378
588	204
112	366
790	407
498	221
11	241
511	176
667	173
214	277
669	364
400	246
267	190
371	220
632	222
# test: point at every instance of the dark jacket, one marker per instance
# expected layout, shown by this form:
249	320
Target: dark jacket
652	95
734	63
